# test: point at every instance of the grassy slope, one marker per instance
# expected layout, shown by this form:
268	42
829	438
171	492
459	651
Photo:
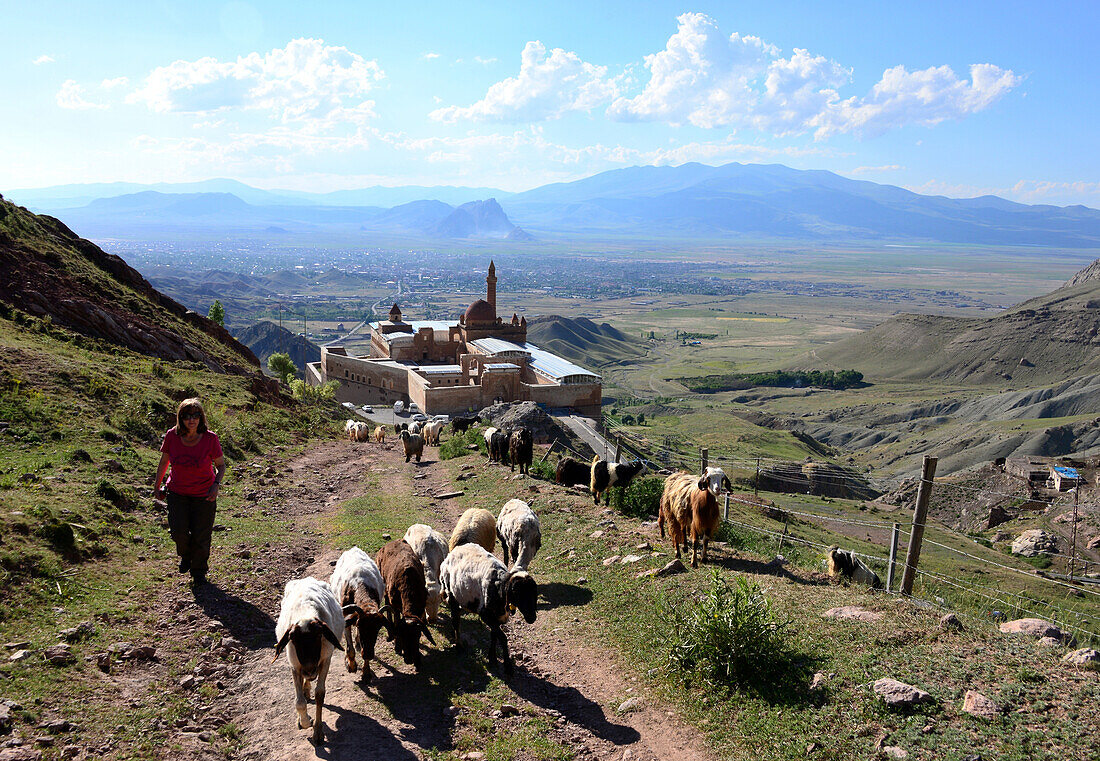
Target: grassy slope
76	466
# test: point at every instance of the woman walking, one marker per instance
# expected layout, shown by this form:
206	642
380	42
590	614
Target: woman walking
194	455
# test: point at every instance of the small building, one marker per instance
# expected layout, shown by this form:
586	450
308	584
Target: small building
1033	471
1064	478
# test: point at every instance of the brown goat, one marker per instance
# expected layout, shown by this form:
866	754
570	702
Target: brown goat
407	596
687	504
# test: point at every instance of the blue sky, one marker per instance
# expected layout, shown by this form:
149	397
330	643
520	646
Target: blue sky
953	98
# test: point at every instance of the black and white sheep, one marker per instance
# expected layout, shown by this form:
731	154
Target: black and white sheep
462	424
604	475
309	629
357	584
431	547
845	563
477	581
519	533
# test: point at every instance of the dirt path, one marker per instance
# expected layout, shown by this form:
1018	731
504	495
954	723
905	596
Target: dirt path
573	685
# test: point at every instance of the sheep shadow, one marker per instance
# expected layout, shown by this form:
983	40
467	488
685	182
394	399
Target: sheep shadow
573	705
557	595
244	621
756	567
418	699
351	735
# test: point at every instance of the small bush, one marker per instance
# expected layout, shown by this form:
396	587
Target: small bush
731	638
117	497
1039	561
78	456
459	445
544	470
58	533
641	499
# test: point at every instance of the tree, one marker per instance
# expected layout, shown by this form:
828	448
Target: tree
282	365
217	313
641	418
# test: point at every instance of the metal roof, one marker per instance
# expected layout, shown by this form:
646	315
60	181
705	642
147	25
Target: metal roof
1065	472
440	370
495	346
441	329
502	366
557	368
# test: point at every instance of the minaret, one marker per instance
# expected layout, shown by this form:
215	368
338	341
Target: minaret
491	286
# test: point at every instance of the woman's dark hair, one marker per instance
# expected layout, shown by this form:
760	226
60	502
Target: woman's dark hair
190	406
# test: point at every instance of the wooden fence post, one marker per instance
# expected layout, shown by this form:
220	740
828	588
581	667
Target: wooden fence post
756	481
920	515
618	446
726	510
893	557
704	455
553	444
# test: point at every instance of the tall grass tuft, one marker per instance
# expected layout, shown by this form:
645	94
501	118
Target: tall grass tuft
731	638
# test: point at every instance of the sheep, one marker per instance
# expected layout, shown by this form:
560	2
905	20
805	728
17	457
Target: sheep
474	579
415	428
349	426
356	430
718	480
462	424
845	563
399	427
431	547
432	431
603	475
487	434
476	525
309	628
687	503
380	434
498	447
519	533
412	444
406	594
570	472
520	449
357	584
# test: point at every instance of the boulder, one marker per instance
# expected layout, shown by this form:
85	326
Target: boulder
1086	657
1034	542
899	694
631	704
977	704
951	621
894	752
59	655
1033	627
853	613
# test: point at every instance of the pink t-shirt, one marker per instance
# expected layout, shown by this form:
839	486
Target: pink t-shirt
191	468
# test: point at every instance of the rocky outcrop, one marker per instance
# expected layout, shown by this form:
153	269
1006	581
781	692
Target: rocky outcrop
1034	627
899	694
1034	542
544	429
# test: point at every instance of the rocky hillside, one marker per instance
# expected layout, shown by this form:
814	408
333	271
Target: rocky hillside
583	341
477	219
48	271
266	338
1044	340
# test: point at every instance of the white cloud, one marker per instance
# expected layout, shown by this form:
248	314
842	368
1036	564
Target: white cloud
71	96
710	80
484	61
42	59
1058	193
876	169
549	85
307	81
111	84
430	56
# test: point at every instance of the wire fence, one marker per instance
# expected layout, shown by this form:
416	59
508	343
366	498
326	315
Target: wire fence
936	588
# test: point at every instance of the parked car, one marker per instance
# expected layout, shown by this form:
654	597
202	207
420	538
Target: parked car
367	408
349	405
413	407
443	419
420	417
398	407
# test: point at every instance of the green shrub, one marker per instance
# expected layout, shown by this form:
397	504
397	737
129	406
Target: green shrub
79	455
731	637
117	497
1039	561
544	470
459	445
58	533
641	499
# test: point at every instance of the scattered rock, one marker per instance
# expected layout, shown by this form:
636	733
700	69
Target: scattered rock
143	653
671	567
612	560
1033	627
977	704
818	682
474	755
187	682
652	572
448	495
59	655
19	655
507	709
644	546
899	694
853	613
79	632
630	704
894	752
1034	542
630	559
5	718
951	621
1050	642
243	554
20	754
16	645
582	581
103	662
1086	657
596	534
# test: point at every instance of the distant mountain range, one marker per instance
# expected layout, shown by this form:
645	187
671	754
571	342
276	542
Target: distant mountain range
737	202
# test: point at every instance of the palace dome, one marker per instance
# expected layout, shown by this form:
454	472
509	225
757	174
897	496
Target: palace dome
480	311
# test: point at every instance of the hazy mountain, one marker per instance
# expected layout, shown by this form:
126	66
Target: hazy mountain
739	200
477	219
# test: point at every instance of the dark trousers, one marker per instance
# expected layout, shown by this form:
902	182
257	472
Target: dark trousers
191	521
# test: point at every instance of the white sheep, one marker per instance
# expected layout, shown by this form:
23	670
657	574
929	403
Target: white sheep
431	547
357	584
432	431
309	628
477	581
519	533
